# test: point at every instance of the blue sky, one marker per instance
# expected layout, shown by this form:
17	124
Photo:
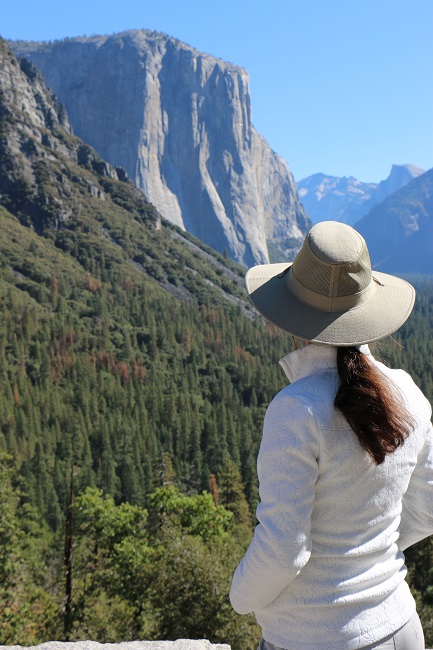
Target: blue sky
342	87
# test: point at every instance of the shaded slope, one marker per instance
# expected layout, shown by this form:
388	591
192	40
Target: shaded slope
399	231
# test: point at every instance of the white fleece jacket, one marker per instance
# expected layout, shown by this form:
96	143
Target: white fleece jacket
325	569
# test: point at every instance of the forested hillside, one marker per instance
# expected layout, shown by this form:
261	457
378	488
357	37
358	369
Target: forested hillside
133	383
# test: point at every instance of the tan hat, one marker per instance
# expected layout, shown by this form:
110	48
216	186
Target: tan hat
329	294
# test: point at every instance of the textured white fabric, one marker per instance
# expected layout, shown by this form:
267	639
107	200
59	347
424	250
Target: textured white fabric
325	569
408	637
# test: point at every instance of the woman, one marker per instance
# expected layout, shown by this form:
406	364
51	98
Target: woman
346	460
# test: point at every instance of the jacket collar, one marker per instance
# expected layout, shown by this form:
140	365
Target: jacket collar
311	359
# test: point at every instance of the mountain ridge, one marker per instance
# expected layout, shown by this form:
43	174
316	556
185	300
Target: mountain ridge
399	230
346	198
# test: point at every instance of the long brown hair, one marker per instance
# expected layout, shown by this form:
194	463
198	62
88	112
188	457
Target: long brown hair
370	404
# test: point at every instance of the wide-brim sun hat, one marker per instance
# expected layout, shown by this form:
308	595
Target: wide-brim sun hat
329	293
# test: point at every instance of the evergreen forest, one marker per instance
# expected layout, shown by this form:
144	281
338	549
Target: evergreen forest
134	378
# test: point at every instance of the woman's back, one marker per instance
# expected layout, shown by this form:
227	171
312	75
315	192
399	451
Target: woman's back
329	515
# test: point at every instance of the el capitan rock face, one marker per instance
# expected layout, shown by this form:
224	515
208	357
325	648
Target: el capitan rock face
179	122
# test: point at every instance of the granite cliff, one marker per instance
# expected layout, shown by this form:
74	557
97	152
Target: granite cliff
58	187
179	122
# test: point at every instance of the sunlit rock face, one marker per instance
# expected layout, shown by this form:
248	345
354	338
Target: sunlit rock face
179	122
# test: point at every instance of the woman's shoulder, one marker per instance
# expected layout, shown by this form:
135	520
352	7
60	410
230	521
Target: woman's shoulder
317	387
307	402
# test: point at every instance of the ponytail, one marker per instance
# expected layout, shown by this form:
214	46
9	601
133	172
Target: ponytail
370	405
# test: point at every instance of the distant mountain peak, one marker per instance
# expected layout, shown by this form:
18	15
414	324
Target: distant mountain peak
413	170
346	198
399	176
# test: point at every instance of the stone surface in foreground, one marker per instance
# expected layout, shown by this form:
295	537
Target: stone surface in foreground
180	644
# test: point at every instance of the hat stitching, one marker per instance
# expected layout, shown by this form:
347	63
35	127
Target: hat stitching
335	273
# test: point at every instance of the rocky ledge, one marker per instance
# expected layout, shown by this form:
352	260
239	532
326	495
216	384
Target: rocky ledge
180	644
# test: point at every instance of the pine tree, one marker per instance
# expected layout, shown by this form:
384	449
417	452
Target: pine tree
232	493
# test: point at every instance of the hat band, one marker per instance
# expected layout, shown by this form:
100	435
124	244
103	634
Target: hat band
328	303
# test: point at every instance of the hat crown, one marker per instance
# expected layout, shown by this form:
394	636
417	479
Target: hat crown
333	261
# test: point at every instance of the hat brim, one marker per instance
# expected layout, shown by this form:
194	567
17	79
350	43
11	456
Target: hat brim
388	308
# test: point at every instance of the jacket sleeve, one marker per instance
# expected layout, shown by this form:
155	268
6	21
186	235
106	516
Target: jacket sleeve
287	470
417	511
